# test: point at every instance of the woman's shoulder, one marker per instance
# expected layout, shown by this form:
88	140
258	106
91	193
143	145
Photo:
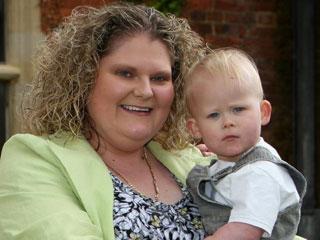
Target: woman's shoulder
33	141
24	138
43	143
23	145
28	150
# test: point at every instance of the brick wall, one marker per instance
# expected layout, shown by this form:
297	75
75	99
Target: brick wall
262	28
53	11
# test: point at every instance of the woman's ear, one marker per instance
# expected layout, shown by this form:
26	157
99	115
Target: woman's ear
266	109
193	129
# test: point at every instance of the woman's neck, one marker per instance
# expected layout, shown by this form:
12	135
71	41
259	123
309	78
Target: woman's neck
120	157
121	154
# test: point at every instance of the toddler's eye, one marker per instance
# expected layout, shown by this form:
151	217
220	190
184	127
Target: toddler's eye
214	115
238	109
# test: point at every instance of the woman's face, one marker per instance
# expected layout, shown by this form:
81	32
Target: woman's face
133	92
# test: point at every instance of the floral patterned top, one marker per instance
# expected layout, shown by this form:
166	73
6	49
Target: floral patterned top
138	217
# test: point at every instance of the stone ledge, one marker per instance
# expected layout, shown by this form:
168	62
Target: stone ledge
8	72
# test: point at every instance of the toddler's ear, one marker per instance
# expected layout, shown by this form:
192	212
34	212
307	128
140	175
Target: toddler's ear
266	110
193	129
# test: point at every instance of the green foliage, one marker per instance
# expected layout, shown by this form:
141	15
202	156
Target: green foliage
166	6
169	6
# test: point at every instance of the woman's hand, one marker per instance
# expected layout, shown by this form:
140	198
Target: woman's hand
204	150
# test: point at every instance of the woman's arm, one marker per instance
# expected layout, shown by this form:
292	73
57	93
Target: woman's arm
36	199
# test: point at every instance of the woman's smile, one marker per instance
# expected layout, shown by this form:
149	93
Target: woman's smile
137	109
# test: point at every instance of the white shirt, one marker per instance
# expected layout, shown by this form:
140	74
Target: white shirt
256	192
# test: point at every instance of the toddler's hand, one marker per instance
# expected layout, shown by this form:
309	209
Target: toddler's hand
204	150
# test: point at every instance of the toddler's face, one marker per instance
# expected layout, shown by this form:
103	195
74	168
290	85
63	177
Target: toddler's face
226	118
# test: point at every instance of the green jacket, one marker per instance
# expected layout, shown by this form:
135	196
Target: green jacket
58	189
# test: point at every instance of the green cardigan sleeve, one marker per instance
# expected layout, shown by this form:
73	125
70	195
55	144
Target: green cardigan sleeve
36	199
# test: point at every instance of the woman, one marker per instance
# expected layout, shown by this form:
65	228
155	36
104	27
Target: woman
105	108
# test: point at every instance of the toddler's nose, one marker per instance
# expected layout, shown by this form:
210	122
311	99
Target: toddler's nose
227	122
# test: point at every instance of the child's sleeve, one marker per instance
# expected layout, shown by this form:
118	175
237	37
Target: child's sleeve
257	193
255	201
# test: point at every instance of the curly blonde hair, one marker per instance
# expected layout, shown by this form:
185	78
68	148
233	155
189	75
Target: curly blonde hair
66	67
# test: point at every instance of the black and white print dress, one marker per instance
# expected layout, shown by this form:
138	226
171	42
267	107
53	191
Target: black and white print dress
138	217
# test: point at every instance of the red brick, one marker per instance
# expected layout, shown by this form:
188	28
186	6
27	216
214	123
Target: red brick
266	18
53	11
199	5
242	31
233	17
233	30
219	41
203	29
263	32
215	16
258	43
263	5
230	5
65	12
197	15
249	18
71	4
221	29
267	53
261	49
50	15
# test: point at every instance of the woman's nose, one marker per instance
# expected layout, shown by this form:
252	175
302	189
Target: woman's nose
143	88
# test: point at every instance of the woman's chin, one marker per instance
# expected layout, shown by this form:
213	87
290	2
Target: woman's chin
140	134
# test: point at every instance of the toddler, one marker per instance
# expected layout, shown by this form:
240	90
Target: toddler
249	192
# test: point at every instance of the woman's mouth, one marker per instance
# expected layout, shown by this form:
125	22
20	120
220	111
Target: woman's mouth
132	108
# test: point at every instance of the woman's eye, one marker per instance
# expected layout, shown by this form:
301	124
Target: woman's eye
160	78
124	73
214	115
238	109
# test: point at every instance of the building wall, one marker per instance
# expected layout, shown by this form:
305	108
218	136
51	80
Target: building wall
22	34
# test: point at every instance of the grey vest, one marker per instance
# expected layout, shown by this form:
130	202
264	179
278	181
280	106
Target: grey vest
214	214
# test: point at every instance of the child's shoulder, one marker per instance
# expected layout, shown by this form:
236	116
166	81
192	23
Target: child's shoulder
262	143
